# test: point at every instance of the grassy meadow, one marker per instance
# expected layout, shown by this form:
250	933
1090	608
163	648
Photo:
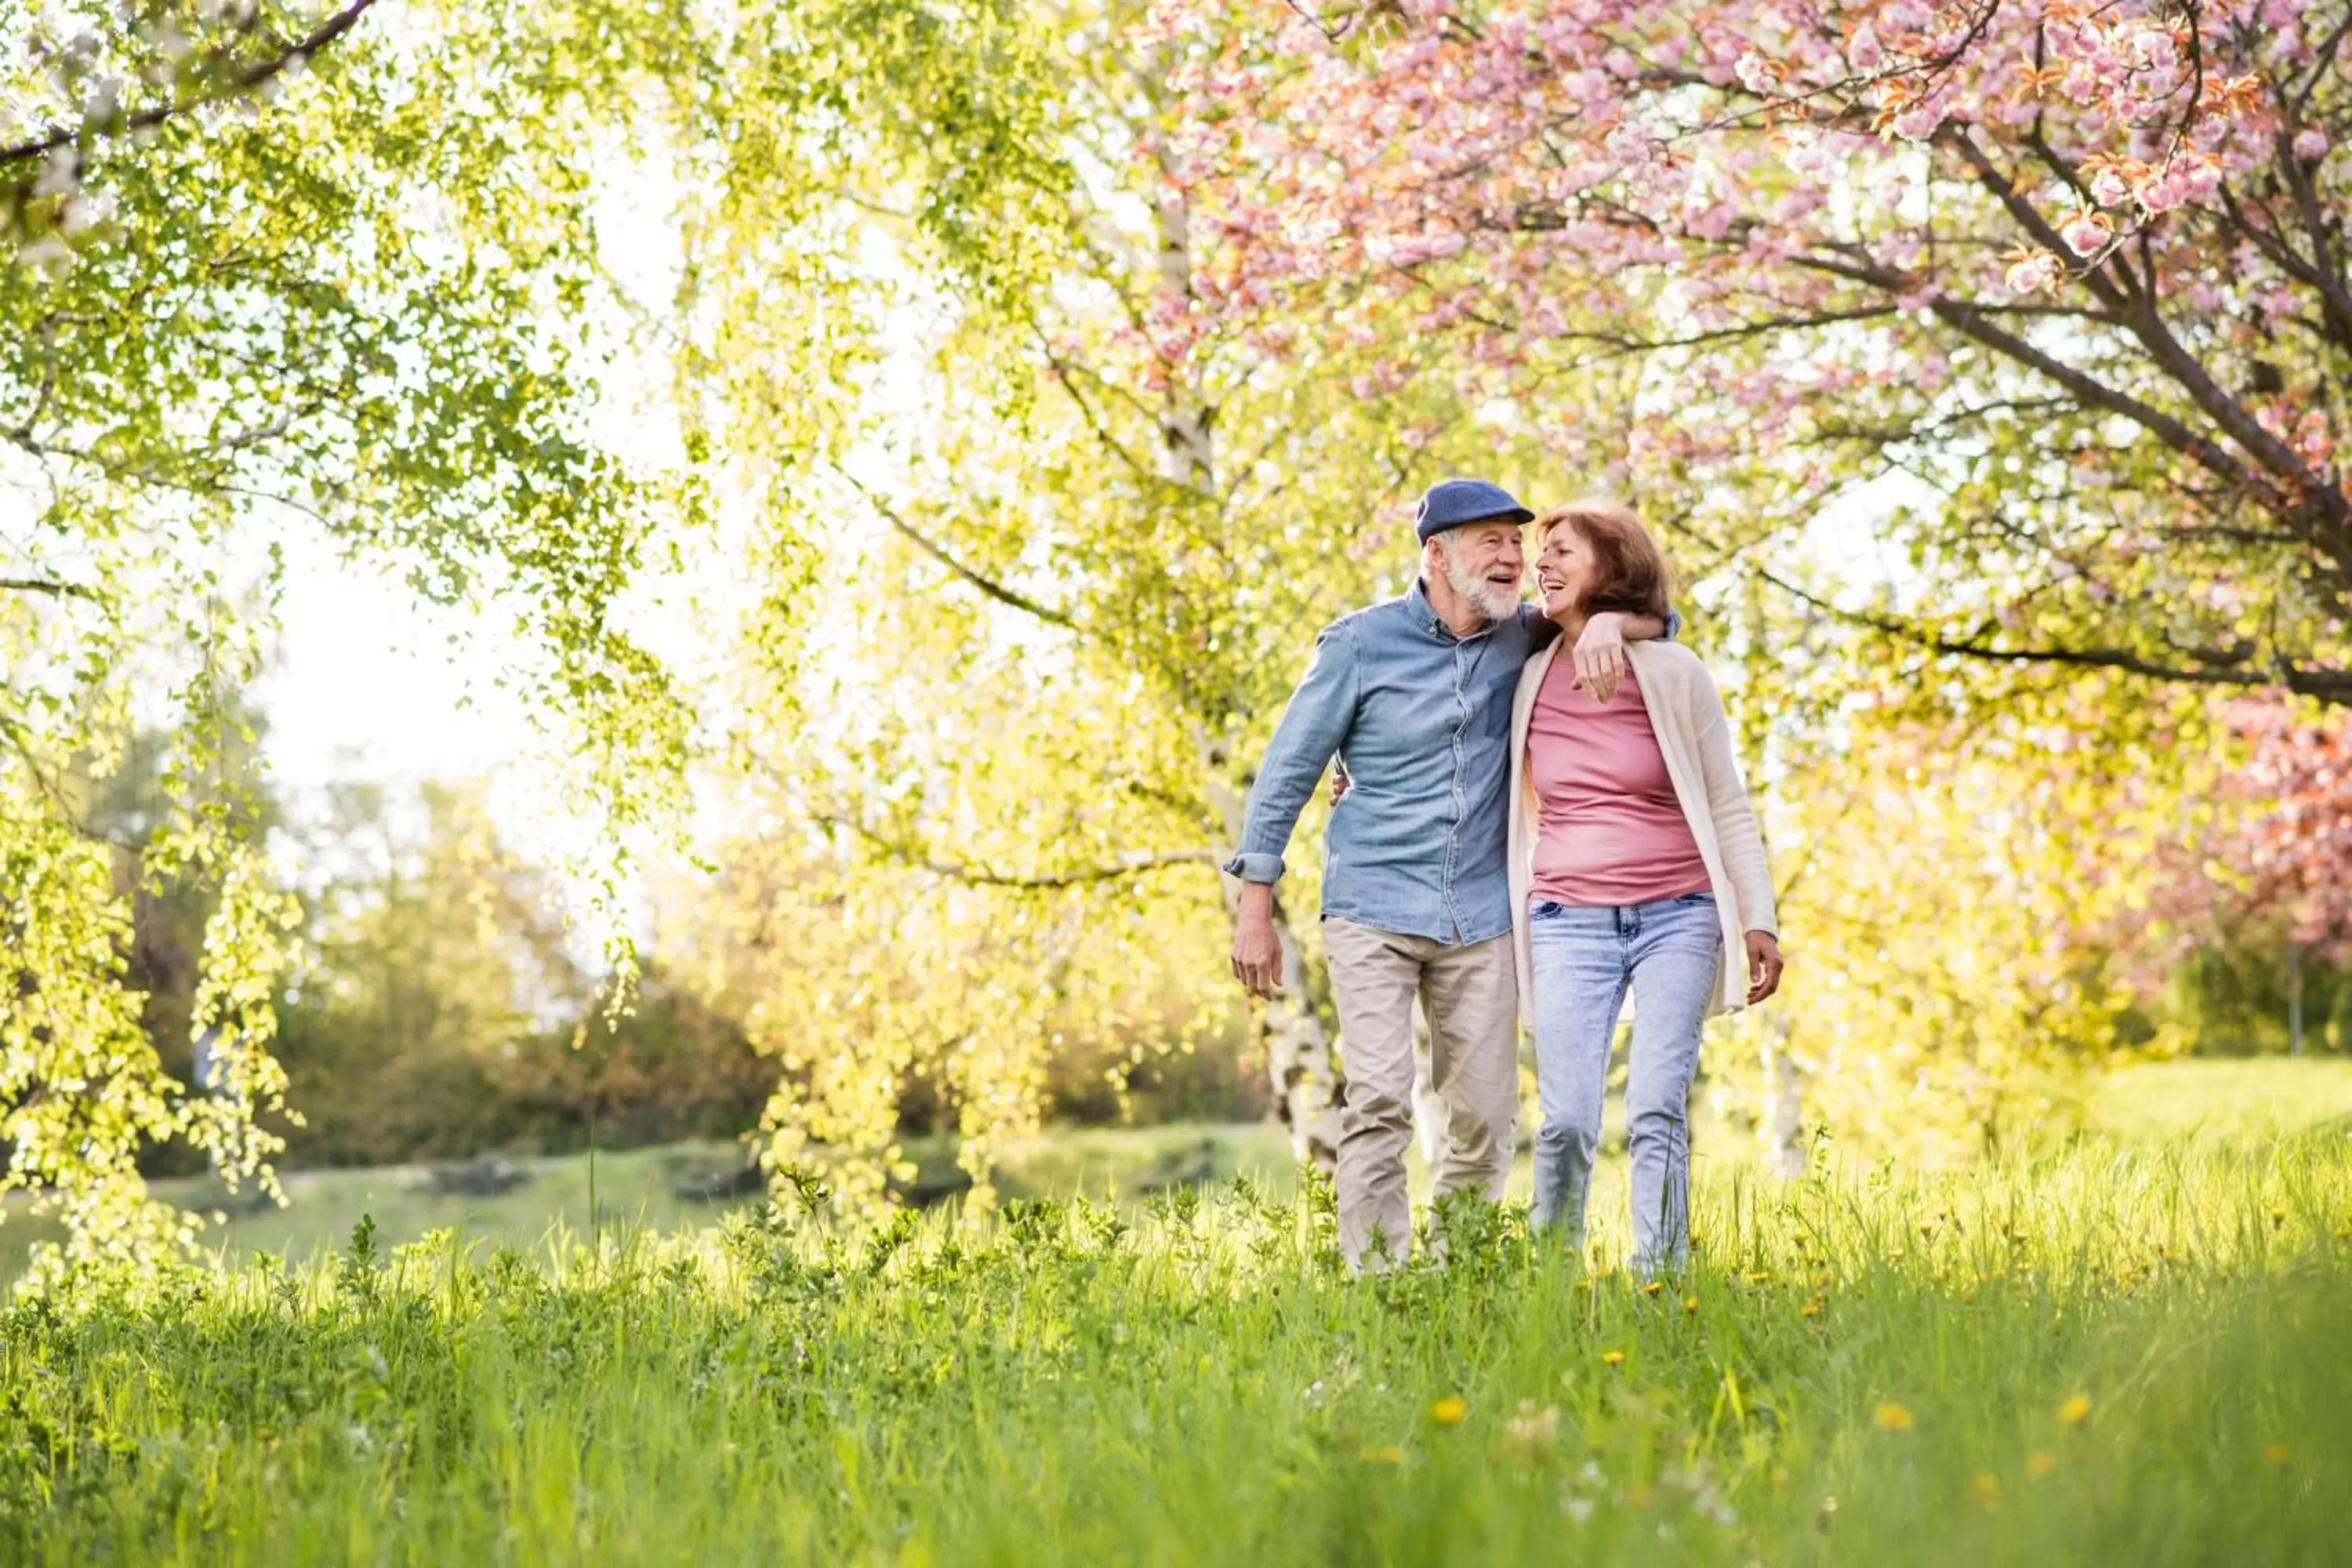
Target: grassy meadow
2204	1103
2115	1351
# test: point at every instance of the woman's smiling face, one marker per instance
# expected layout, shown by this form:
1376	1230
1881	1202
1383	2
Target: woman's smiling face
1563	569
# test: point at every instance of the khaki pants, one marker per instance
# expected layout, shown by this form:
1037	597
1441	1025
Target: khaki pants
1472	998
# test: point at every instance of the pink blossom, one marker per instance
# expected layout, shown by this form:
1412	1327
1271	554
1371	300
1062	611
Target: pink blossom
1711	224
2164	191
1588	88
2311	142
1919	122
2109	188
2035	274
2086	233
2202	180
1757	74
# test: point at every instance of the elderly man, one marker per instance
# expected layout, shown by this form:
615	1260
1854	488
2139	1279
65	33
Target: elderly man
1413	696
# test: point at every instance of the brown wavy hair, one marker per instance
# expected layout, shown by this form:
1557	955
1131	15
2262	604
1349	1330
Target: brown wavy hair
1631	576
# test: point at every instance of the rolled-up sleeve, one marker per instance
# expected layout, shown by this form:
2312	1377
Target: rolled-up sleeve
1313	729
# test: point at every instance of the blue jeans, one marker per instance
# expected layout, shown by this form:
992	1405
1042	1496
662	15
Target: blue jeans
1584	958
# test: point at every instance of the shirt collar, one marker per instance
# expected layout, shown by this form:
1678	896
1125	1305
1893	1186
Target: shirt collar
1426	619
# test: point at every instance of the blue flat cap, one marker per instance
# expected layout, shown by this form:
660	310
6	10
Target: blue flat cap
1451	503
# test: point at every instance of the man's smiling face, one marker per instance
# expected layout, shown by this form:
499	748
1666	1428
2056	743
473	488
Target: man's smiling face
1484	563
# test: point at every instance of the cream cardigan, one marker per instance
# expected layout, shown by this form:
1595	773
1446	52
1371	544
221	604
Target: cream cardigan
1686	712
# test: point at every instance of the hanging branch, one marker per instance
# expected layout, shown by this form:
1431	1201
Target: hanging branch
238	82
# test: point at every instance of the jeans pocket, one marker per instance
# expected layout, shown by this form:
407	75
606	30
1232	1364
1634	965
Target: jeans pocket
1546	909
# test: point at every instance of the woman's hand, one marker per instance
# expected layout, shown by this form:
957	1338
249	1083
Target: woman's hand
1599	656
1763	965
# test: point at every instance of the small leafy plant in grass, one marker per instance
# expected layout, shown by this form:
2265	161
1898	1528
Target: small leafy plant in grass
2099	1356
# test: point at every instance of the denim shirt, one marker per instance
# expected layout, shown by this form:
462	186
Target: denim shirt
1422	720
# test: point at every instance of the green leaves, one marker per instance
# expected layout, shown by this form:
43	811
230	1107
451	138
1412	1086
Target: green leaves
350	283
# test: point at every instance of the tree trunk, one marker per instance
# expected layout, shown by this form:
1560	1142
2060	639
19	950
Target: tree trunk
2295	999
1300	1061
1782	1127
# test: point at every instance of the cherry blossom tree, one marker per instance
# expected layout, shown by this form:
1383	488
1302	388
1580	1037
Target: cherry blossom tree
2295	848
2049	299
2266	864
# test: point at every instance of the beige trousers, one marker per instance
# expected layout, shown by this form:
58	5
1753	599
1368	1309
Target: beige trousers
1471	997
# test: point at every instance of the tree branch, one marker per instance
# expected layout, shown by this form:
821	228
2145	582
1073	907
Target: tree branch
1133	864
53	586
938	552
2224	667
1969	322
2002	188
240	81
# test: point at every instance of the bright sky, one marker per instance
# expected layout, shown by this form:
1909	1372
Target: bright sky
363	684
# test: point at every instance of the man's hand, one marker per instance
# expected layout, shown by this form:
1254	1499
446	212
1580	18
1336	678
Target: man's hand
1257	950
1599	656
1340	783
1763	965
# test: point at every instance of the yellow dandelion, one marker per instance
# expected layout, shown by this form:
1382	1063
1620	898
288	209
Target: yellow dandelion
1612	1358
1450	1411
1894	1418
1654	1287
2075	1411
1690	1305
1986	1489
1761	1276
2038	1465
1389	1455
2275	1455
2278	1218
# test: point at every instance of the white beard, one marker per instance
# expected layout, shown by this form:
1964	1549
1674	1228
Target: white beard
1495	603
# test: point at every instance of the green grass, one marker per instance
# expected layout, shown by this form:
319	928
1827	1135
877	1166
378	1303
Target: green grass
2223	1099
632	1191
1867	1367
1865	1370
2228	1102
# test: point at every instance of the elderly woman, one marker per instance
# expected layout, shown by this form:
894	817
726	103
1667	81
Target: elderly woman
1635	862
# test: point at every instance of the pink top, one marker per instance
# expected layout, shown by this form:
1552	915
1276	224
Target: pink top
1609	828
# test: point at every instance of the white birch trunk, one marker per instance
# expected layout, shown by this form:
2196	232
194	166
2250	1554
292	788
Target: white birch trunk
1782	1126
1300	1061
